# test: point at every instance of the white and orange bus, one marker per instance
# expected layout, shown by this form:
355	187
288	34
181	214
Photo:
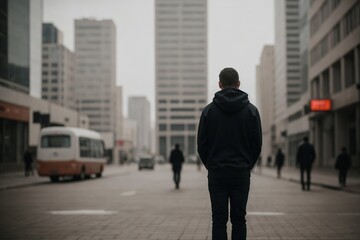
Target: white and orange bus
67	151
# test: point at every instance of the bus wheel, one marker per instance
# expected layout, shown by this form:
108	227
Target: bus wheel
99	174
54	178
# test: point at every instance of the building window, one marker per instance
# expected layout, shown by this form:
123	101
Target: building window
349	69
54	89
162	127
54	64
326	85
191	127
336	68
44	73
177	127
54	73
162	147
191	145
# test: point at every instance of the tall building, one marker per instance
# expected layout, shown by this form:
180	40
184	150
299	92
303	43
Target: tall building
265	79
95	50
181	72
287	64
50	34
334	67
20	53
139	111
58	69
297	113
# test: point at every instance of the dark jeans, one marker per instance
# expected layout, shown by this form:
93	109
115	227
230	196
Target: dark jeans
177	174
342	177
221	191
306	169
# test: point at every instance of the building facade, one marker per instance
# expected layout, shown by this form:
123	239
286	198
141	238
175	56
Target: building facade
58	69
20	75
334	67
139	111
180	72
265	79
20	54
297	113
95	77
287	65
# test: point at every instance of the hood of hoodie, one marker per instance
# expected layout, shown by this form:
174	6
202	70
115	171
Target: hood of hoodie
231	100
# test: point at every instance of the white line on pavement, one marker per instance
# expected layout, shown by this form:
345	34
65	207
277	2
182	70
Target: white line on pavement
128	193
266	213
83	212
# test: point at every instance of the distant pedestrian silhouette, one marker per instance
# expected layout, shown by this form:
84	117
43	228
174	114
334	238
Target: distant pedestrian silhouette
279	162
268	161
229	143
343	164
305	158
28	160
176	160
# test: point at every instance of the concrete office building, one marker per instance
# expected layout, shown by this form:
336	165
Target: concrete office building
297	113
58	66
334	74
139	111
20	72
265	79
181	72
95	80
287	64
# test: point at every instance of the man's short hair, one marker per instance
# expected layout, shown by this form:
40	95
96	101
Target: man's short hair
229	77
306	139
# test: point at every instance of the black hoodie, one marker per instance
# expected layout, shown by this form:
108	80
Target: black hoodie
229	135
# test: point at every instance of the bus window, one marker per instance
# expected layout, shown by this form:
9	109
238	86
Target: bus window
85	147
55	141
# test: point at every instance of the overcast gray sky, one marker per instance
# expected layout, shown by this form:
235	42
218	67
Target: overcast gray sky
237	31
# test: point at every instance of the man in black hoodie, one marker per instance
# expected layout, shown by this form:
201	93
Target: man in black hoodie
229	143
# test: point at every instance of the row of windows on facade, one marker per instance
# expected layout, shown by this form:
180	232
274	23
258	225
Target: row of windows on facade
191	61
177	127
344	67
172	21
179	109
183	101
182	117
176	93
185	12
183	70
178	41
319	18
166	50
172	140
342	29
53	97
165	86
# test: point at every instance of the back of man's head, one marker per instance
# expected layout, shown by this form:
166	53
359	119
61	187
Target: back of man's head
177	146
229	77
306	139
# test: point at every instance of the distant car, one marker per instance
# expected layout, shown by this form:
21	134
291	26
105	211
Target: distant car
192	159
146	162
159	159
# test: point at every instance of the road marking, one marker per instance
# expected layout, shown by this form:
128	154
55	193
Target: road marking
83	212
129	193
266	213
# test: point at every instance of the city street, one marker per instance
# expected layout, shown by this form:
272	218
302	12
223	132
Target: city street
136	205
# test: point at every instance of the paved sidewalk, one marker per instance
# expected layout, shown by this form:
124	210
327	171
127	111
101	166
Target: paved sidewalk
323	177
18	179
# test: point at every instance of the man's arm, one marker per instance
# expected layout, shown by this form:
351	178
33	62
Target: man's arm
256	138
202	140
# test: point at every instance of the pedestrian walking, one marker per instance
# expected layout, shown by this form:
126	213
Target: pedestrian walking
279	161
176	160
229	143
343	164
269	160
28	160
305	158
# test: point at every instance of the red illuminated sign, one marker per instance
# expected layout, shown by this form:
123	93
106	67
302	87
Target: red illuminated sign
320	105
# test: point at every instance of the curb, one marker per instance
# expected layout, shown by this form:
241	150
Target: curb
323	185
